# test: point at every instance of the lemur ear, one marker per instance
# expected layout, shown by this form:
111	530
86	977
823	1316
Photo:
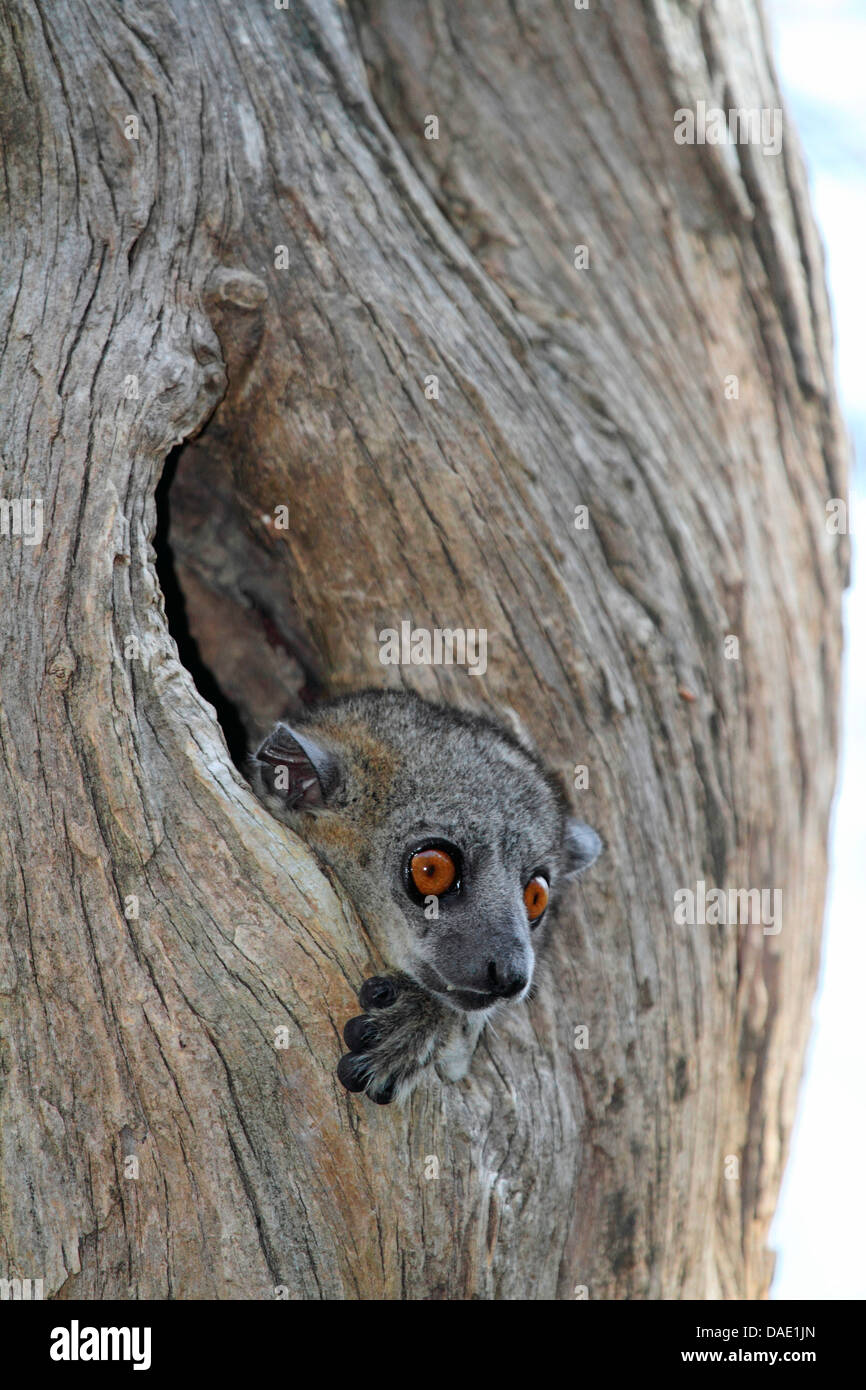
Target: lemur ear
582	847
295	769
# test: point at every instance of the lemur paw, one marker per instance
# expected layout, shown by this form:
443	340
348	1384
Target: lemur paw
392	1042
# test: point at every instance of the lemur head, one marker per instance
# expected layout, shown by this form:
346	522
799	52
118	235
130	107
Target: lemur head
451	837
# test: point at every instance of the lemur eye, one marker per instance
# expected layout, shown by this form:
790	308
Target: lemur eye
536	895
433	872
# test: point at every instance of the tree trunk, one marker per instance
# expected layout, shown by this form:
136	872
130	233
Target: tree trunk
226	223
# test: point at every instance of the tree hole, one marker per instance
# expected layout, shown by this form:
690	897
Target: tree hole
228	599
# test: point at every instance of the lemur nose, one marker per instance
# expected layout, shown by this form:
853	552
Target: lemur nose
505	980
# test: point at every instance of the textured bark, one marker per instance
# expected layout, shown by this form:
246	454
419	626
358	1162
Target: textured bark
151	263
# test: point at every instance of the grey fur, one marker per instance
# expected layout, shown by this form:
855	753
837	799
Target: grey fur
367	778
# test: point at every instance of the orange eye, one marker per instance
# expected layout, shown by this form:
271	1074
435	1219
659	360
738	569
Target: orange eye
535	895
433	871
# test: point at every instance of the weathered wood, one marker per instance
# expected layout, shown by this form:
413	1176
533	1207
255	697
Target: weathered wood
143	303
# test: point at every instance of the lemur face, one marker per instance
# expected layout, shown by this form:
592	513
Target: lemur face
475	876
473	904
451	837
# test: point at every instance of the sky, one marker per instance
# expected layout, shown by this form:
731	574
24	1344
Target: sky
819	1232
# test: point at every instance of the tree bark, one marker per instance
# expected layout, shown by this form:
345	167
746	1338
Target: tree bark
160	927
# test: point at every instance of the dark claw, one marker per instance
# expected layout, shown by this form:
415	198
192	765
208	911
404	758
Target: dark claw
377	993
384	1095
352	1072
359	1033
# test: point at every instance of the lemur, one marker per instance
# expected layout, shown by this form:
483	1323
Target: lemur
453	841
